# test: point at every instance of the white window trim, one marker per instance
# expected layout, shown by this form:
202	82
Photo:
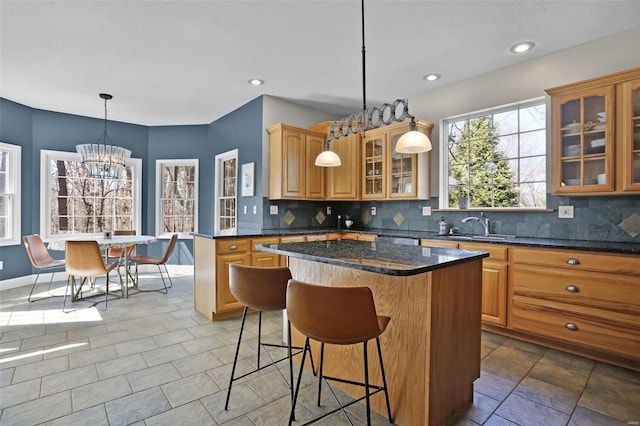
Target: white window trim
219	159
14	167
45	225
185	162
443	198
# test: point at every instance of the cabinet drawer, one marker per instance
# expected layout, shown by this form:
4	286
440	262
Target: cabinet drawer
601	331
263	240
234	245
578	260
613	292
496	251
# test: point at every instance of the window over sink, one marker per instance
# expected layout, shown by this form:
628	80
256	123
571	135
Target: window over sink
495	158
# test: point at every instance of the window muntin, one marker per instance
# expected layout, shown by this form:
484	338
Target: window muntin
226	192
496	158
73	203
10	200
177	197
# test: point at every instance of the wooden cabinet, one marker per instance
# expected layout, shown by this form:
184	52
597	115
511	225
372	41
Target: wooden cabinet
343	182
388	174
292	172
595	127
591	300
494	277
262	258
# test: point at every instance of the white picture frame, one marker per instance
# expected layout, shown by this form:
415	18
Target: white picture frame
248	179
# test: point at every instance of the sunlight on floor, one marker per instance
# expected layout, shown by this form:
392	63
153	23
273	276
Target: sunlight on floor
50	316
41	352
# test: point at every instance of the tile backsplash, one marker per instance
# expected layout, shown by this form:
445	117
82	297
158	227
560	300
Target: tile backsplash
603	218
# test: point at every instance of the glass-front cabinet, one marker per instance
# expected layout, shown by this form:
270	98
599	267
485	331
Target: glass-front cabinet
403	171
374	162
596	135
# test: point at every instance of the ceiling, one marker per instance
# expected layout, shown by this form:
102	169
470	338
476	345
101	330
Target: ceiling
188	62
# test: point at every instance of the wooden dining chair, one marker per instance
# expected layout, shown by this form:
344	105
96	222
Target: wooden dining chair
84	259
40	259
159	262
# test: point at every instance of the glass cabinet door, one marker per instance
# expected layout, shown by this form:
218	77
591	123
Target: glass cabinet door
586	154
403	171
374	167
630	116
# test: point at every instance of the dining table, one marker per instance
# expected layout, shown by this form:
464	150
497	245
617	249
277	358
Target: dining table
105	243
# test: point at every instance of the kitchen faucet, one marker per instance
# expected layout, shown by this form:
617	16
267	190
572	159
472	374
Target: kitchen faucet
483	220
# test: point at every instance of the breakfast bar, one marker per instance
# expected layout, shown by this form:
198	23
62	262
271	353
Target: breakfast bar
432	344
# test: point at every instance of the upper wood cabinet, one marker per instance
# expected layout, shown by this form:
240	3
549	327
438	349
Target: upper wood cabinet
292	173
595	127
342	182
388	174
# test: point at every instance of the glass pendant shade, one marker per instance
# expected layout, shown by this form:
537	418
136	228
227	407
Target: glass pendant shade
413	142
328	158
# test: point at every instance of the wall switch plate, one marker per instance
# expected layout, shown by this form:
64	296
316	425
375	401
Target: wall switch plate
255	209
426	211
328	210
373	211
244	209
1	265
565	212
273	209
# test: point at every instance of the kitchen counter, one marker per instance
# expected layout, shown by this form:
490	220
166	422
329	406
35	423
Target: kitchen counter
599	246
381	258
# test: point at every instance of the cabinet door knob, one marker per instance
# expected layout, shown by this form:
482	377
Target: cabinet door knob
573	261
572	288
571	326
233	247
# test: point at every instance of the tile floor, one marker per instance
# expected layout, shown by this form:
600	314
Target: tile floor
152	360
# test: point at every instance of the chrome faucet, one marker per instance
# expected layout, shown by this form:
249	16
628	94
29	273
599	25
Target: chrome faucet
483	220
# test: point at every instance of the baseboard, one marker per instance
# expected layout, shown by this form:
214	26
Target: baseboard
174	270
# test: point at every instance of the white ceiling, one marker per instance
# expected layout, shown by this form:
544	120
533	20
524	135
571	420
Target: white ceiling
188	62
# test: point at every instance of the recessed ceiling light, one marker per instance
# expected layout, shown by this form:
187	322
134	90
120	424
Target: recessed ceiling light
522	47
256	82
431	77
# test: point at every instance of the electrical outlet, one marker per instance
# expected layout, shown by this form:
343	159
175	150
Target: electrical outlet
273	209
426	211
565	212
328	210
1	265
244	209
255	209
373	211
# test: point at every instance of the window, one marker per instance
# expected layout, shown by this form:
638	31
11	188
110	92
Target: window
495	158
10	158
225	192
73	203
177	197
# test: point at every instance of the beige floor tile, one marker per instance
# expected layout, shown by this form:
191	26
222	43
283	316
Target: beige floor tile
135	346
530	413
153	376
100	392
94	416
38	410
40	369
164	354
613	397
558	398
189	389
137	407
91	356
193	413
19	393
197	363
69	379
121	365
585	417
559	376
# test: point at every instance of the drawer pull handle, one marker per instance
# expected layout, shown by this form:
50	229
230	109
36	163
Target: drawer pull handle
233	247
571	326
572	288
573	261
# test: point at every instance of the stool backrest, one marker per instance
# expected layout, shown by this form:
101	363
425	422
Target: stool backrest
84	259
338	315
264	289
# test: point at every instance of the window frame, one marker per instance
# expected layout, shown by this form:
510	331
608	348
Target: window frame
219	175
443	199
160	163
45	203
14	194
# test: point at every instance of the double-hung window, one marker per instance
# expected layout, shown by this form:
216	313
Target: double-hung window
177	197
495	158
10	158
73	203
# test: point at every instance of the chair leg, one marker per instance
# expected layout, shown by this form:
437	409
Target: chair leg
259	337
235	359
321	368
295	394
366	383
34	286
66	290
167	272
384	380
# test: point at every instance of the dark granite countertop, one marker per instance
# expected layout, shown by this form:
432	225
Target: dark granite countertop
601	246
378	257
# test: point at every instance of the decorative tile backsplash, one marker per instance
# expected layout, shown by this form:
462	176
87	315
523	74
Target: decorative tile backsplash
603	218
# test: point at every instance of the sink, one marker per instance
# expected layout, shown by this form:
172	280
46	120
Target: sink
490	237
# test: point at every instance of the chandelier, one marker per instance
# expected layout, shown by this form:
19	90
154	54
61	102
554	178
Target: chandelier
102	159
411	142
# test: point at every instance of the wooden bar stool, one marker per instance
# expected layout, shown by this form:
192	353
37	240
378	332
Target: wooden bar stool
339	316
261	289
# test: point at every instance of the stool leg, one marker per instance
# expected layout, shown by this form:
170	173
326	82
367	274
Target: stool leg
320	372
295	394
259	336
384	379
366	383
235	359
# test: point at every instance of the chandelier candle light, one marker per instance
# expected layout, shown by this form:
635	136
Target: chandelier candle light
412	142
102	159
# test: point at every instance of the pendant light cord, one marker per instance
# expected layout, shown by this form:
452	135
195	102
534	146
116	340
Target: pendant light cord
364	78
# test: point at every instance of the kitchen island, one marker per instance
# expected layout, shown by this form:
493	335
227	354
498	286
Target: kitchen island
432	344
